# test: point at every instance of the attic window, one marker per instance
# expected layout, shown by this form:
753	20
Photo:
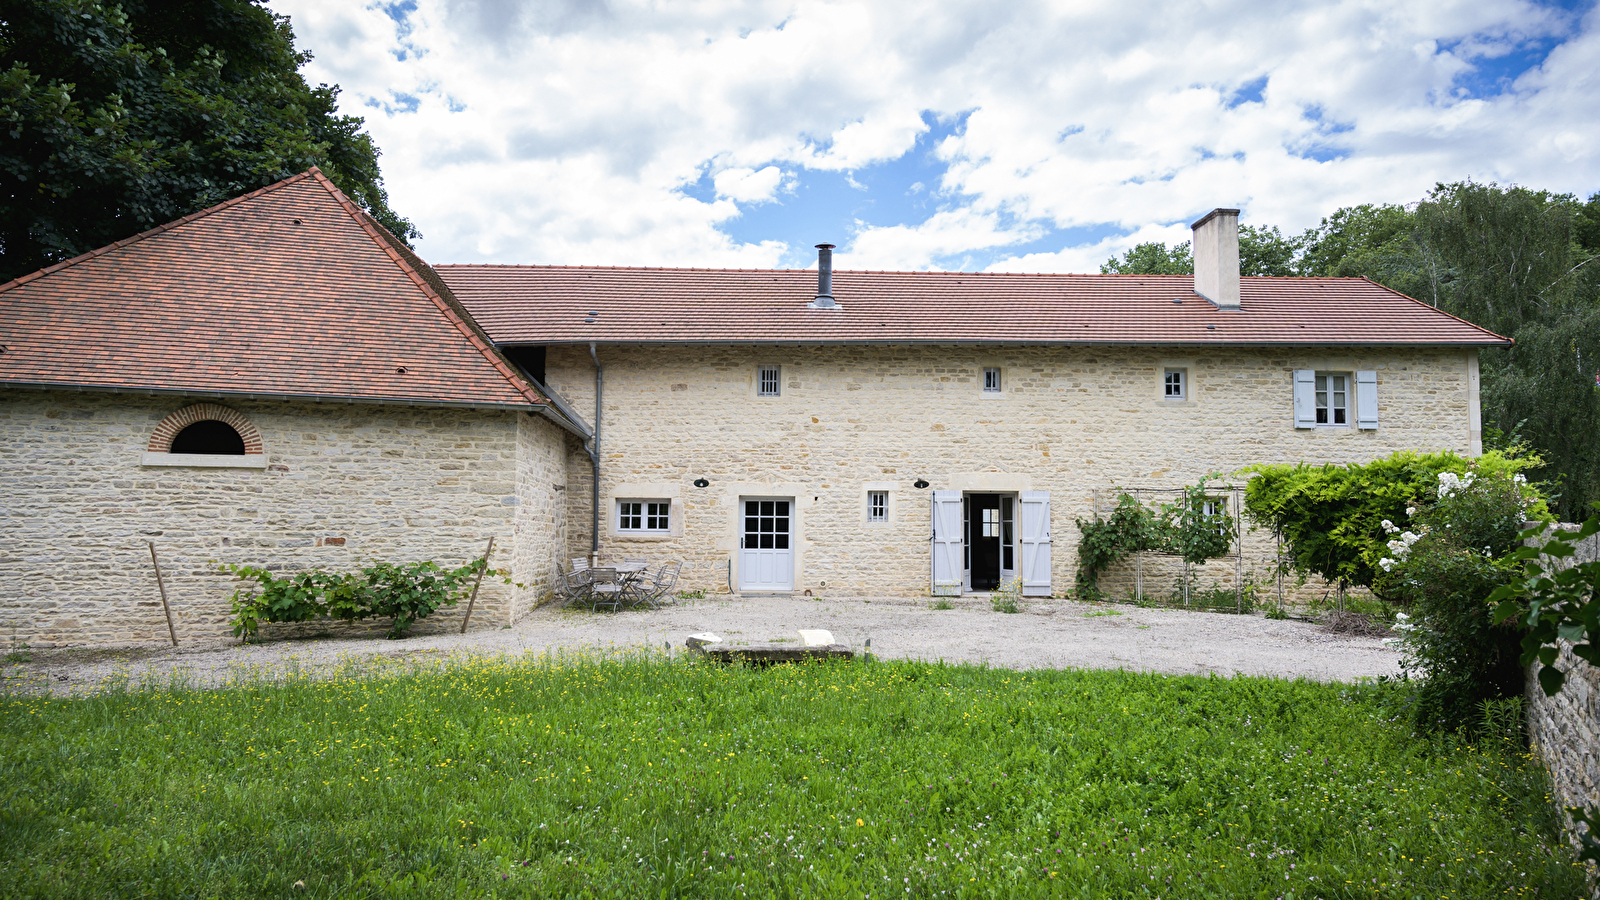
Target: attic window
209	437
206	435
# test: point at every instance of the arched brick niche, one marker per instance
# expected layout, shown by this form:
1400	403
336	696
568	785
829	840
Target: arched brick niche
159	451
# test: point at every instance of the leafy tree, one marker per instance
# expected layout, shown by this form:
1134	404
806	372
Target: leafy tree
116	117
1505	253
1153	258
1368	241
1264	250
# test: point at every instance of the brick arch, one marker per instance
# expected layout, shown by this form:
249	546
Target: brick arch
161	438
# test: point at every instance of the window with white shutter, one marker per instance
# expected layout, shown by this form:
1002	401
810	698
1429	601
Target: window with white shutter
1305	398
1367	399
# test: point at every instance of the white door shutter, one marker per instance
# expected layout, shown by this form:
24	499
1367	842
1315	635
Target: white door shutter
1367	399
1033	540
946	543
1305	398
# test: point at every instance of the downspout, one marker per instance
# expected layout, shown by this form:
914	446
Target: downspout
594	461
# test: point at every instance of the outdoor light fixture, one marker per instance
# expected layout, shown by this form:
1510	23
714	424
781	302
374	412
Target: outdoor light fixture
919	484
701	482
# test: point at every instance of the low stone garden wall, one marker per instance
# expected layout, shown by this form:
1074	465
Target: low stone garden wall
1565	729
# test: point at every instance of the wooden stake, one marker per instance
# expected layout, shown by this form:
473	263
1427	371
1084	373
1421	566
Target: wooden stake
171	632
474	598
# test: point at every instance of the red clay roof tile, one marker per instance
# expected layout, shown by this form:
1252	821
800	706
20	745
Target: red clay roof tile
549	304
289	290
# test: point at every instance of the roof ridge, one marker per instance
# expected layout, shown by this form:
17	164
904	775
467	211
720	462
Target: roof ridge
465	324
168	226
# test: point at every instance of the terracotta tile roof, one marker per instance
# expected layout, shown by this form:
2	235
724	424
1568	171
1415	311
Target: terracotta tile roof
548	304
290	290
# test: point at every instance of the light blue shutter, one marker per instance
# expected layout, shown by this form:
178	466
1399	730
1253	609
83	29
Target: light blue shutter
946	543
1305	398
1367	399
1033	534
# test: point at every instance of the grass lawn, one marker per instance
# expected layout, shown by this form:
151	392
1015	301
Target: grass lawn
649	776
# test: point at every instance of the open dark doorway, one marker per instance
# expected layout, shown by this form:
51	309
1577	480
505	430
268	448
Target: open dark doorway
989	539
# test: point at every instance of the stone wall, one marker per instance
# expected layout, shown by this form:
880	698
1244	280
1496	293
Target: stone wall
541	521
341	485
1565	729
1071	421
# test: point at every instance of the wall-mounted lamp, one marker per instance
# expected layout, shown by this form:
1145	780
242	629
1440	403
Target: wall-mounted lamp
919	484
701	482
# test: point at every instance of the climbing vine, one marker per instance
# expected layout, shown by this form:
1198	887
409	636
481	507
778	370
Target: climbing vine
1196	527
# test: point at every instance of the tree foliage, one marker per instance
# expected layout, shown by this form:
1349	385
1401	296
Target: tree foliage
1331	518
116	117
1154	258
1262	251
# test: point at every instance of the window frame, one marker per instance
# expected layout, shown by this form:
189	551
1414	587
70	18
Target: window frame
644	515
877	506
1318	391
777	381
999	383
1182	374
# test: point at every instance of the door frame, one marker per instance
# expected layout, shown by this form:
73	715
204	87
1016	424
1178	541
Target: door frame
966	549
739	533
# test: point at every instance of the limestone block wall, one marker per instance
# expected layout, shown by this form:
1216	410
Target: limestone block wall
541	519
1565	729
850	419
340	486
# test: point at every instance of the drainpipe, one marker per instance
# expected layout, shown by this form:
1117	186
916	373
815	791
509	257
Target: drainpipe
594	462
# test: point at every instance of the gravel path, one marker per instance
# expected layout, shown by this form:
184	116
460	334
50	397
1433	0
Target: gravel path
1048	634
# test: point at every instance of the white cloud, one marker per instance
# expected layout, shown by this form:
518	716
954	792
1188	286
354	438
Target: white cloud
581	131
748	185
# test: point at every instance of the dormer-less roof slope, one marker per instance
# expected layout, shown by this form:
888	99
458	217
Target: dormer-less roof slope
291	291
548	304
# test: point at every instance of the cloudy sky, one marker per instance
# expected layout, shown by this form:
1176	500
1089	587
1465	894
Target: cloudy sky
939	134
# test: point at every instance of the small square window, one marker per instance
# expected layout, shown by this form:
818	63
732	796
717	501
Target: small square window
991	380
1174	387
1333	399
877	506
644	516
767	381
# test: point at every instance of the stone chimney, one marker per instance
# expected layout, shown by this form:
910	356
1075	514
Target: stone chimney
1216	257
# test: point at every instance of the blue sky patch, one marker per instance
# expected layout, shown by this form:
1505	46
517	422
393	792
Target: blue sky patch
1249	92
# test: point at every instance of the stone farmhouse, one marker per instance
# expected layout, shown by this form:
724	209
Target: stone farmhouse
278	381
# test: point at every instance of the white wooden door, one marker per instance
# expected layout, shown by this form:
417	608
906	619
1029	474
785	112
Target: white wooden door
947	543
1033	534
766	547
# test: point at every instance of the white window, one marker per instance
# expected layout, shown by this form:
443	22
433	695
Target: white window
1333	398
991	380
1174	387
1212	510
767	381
644	516
877	506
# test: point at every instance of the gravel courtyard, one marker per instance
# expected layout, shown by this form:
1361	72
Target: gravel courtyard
1048	634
